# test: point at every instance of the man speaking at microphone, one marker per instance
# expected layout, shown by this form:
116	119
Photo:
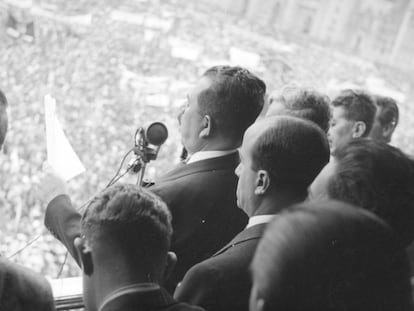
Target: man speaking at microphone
201	193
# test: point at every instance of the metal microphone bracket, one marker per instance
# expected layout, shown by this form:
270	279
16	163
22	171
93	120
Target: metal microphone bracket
147	145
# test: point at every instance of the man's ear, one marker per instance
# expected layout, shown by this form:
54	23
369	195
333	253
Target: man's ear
388	129
169	266
359	129
262	182
207	126
84	254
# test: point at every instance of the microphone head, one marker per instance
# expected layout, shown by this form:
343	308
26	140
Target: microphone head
156	133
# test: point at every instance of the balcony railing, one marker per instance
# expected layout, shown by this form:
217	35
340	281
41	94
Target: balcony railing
68	293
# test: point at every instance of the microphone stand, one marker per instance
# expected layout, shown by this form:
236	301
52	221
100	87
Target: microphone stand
146	149
144	154
141	174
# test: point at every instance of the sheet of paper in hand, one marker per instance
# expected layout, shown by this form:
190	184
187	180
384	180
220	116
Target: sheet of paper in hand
60	153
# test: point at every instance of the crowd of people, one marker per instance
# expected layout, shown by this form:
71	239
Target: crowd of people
266	195
109	77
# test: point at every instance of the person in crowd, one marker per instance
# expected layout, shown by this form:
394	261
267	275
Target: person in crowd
20	288
4	122
123	250
280	157
374	176
302	103
201	192
386	119
329	256
353	114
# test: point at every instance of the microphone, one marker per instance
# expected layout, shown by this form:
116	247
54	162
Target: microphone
148	141
156	133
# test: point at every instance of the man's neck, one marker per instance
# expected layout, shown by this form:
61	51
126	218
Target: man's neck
107	282
217	145
121	297
274	204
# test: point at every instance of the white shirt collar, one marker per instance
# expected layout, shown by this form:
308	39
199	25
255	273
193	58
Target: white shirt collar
259	219
204	155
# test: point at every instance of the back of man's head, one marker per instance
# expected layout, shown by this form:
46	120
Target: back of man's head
358	106
386	119
291	150
377	177
130	223
302	103
234	100
329	256
3	118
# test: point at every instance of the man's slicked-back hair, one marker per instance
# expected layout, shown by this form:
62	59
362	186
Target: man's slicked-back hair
330	256
358	106
307	104
292	150
377	177
132	219
234	100
388	110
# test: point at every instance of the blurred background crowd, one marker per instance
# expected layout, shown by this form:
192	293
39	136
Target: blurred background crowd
116	65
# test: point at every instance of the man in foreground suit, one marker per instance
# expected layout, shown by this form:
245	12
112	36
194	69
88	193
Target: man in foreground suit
329	255
123	250
280	157
20	289
201	193
374	176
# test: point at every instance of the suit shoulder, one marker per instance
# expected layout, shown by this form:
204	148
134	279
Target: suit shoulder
207	271
201	280
20	287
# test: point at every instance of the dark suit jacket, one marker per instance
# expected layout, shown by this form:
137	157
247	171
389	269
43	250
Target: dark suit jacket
145	299
202	200
222	282
23	290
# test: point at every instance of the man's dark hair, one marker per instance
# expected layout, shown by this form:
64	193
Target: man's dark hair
377	177
359	106
292	150
234	100
330	256
132	219
307	104
388	110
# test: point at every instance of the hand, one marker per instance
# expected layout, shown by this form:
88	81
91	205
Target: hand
51	185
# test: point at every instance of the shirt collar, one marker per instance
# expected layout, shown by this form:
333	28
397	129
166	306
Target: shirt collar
204	155
259	219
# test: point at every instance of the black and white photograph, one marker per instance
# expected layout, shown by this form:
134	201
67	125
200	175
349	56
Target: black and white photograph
207	155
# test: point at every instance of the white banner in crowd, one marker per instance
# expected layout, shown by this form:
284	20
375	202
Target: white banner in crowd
239	57
60	153
184	49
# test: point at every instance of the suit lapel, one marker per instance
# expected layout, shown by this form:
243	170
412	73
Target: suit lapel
251	233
